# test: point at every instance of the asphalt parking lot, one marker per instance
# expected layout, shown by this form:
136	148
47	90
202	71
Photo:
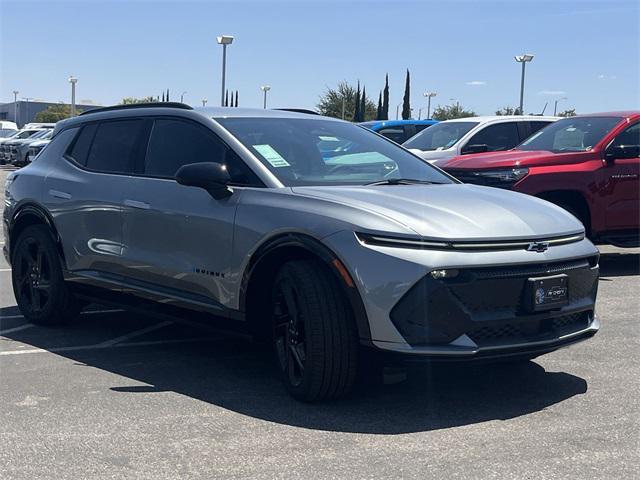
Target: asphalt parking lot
118	395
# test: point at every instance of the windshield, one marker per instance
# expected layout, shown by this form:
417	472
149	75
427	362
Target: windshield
7	132
40	134
576	134
439	136
300	151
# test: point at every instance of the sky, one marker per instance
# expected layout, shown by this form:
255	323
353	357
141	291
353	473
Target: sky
587	51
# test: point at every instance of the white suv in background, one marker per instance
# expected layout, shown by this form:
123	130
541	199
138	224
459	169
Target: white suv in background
474	135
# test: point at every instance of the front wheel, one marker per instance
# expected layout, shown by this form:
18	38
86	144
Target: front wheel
314	332
41	293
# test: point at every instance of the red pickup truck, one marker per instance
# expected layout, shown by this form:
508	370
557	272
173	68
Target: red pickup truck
589	164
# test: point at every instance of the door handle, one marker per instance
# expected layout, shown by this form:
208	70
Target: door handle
59	194
137	204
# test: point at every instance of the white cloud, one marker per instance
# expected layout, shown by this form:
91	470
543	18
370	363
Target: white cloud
552	92
602	76
475	83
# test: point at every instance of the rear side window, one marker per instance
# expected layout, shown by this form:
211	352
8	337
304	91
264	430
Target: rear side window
497	137
393	133
174	143
114	146
80	148
535	126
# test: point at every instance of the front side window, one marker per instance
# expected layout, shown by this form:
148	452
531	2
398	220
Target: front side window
440	136
577	134
297	152
174	143
497	137
629	137
115	145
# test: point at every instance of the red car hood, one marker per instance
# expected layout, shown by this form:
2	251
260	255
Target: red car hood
513	158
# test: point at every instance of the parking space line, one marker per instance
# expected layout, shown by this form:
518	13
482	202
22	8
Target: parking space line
90	312
17	329
105	347
134	334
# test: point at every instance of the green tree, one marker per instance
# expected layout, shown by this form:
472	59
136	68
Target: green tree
236	98
331	101
132	100
379	109
363	105
356	108
385	99
568	113
406	102
508	111
455	110
54	113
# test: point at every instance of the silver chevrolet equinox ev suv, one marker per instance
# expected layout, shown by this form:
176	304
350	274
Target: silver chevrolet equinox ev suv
316	232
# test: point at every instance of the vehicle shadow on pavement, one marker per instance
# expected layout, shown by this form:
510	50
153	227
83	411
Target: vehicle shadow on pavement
619	264
235	375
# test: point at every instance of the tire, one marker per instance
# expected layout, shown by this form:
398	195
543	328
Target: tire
315	337
42	295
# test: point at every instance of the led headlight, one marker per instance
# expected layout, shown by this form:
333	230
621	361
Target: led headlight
501	178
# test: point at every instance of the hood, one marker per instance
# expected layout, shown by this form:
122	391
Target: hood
456	211
433	155
512	158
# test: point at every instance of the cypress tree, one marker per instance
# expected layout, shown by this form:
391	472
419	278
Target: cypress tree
406	106
379	109
363	105
356	113
226	98
167	94
236	98
163	97
385	100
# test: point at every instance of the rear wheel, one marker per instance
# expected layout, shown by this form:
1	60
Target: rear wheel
41	293
314	332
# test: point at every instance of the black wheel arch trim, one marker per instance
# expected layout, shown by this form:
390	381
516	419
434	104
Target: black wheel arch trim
29	208
324	253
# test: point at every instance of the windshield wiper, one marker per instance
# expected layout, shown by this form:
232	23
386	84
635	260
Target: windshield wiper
402	181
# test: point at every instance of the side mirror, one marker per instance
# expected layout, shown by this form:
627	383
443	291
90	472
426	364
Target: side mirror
622	151
477	148
213	177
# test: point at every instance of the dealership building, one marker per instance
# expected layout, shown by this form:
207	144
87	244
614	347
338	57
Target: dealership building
23	111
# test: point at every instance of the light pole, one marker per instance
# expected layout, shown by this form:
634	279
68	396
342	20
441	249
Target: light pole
204	101
73	80
398	110
182	97
15	106
555	105
429	95
523	59
26	108
224	40
265	89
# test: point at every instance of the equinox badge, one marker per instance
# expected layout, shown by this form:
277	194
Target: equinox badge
538	247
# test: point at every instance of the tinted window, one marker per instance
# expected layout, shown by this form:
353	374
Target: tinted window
82	143
175	143
576	134
630	137
535	126
439	136
114	146
296	151
421	127
501	136
393	133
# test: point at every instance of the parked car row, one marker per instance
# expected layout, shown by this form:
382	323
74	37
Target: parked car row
16	149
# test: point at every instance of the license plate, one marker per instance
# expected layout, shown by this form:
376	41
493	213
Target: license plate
547	293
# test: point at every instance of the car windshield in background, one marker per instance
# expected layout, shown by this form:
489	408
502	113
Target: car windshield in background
439	136
7	132
570	134
325	152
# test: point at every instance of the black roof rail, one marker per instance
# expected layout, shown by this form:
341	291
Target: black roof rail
298	110
183	106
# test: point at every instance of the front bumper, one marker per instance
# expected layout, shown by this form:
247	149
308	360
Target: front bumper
481	313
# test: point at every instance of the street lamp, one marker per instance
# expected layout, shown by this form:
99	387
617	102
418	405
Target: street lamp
265	89
73	80
398	110
555	105
523	59
429	95
204	101
15	105
26	108
224	40
182	97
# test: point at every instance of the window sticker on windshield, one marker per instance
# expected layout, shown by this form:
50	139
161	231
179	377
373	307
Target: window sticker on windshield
271	156
328	139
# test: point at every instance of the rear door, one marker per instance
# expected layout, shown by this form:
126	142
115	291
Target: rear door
621	195
178	239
